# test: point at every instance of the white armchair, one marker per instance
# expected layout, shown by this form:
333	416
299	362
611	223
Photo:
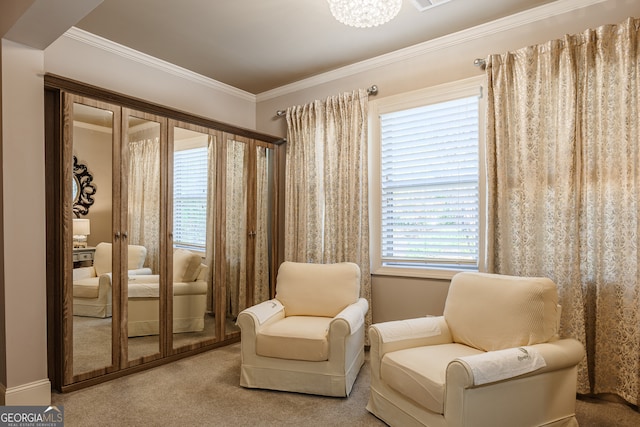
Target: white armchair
310	338
493	359
92	285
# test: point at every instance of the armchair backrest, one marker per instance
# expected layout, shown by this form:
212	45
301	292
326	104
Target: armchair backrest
186	265
495	312
102	257
317	289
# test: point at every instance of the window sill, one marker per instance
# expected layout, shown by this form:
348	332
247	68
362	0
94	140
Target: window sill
420	272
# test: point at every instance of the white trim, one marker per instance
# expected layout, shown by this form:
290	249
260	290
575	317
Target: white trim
424	273
439	93
150	61
539	13
35	393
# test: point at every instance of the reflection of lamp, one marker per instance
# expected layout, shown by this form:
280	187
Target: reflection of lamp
364	13
81	229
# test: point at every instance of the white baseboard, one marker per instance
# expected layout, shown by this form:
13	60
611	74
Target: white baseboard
37	393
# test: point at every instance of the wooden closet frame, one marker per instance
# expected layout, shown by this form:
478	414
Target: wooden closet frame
56	255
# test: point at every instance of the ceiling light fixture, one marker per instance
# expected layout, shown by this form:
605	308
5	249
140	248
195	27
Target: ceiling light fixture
364	13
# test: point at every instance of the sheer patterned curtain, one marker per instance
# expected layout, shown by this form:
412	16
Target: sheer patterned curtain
262	238
144	198
211	222
236	227
563	160
326	197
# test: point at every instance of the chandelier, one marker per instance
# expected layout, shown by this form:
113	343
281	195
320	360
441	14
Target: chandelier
364	13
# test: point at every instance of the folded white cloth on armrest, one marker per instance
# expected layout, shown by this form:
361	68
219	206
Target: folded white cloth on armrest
501	364
265	310
421	327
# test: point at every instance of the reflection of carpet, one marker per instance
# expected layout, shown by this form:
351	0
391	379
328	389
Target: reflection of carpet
92	342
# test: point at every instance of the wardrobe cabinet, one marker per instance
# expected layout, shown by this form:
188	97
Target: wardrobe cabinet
182	217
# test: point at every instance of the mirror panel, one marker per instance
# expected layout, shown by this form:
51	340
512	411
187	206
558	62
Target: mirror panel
92	136
194	221
236	231
144	283
264	216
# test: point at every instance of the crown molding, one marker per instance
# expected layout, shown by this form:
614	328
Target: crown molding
153	62
537	14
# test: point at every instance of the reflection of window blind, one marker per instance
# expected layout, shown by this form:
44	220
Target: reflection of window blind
430	184
190	198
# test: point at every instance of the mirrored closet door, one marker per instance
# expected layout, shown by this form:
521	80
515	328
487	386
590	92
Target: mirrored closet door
194	208
90	157
249	207
143	296
160	230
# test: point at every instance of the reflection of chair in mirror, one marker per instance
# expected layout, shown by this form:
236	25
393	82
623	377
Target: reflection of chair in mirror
310	338
189	297
493	359
92	285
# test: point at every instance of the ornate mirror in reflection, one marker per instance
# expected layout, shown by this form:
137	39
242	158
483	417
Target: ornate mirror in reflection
83	189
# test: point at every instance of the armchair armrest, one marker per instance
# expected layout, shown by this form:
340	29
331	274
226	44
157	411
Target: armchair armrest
352	315
139	271
557	355
402	334
83	273
262	313
104	285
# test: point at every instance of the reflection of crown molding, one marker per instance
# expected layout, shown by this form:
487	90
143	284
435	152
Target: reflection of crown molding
89	126
150	61
536	14
183	142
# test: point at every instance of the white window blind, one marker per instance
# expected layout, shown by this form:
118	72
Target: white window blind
190	198
429	184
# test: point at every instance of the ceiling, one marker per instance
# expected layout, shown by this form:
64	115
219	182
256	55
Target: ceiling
257	46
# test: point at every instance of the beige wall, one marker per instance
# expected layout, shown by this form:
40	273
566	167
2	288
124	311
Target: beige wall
444	60
24	225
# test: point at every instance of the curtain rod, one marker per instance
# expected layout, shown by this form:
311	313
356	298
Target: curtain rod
480	63
373	90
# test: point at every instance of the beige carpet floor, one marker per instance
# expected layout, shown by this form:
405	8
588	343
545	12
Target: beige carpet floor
203	390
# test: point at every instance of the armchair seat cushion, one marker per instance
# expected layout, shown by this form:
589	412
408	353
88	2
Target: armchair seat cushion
419	373
295	338
86	288
147	286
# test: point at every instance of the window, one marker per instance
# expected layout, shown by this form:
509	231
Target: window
190	198
427	186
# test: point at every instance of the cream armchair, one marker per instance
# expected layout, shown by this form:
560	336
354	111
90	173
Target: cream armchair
92	285
310	338
189	297
493	359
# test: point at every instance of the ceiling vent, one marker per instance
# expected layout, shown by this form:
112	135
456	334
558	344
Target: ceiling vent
423	5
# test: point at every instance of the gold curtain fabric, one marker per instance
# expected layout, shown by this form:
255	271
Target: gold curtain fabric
326	197
563	163
144	198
